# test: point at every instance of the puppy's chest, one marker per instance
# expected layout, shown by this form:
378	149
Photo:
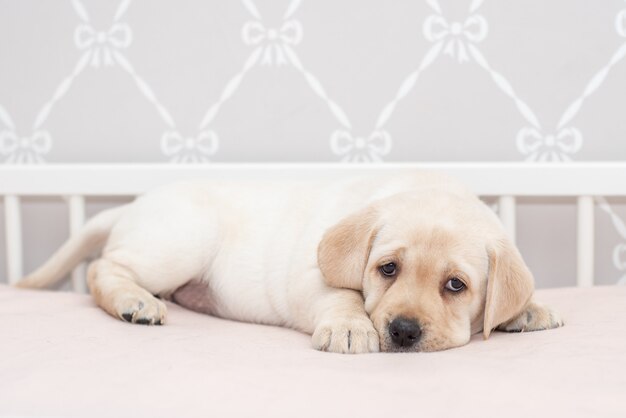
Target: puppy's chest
196	296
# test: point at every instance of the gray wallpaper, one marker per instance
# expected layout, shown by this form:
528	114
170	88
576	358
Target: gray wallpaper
318	80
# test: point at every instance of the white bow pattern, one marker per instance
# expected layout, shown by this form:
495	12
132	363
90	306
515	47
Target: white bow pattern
25	149
360	149
620	23
191	149
86	37
455	34
290	33
550	147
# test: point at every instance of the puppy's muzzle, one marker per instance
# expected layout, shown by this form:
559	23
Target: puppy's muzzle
404	332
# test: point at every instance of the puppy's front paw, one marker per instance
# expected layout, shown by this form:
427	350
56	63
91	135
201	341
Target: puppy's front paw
535	317
346	335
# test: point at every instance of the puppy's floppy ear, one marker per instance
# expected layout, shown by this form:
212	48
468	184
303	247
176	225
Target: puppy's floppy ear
343	252
509	285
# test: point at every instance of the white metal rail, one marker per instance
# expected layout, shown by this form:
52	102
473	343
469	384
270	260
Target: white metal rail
507	181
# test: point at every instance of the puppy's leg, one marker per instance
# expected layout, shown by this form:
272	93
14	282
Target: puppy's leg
115	290
341	324
535	317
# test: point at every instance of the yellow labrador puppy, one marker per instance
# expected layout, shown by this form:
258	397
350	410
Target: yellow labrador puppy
405	263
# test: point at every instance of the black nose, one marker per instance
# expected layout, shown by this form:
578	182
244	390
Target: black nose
404	332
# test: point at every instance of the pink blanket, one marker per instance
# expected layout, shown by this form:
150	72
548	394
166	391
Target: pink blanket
62	356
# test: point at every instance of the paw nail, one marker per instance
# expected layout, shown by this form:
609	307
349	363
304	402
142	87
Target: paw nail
143	321
127	317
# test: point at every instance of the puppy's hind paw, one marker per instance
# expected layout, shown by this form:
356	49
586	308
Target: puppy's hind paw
141	309
347	335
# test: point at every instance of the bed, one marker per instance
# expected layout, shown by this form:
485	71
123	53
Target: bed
61	356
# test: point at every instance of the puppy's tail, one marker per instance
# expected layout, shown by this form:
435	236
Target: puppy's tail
90	239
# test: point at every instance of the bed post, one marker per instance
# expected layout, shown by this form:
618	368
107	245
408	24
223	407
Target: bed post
585	241
13	225
77	219
507	214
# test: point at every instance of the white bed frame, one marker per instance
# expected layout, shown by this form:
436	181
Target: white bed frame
505	181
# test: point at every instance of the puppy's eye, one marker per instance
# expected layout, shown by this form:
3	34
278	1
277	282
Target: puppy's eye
455	285
388	269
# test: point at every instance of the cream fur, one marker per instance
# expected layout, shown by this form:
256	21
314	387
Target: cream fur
257	246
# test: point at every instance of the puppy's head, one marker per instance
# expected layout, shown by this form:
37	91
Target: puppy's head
433	269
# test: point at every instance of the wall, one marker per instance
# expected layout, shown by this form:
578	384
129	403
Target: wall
352	80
